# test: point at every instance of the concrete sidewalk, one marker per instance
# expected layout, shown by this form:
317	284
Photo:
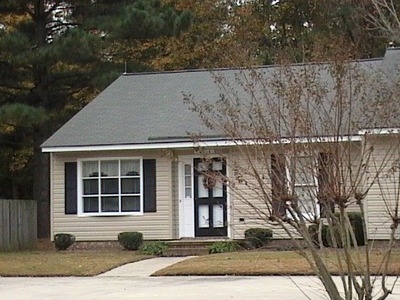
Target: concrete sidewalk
144	268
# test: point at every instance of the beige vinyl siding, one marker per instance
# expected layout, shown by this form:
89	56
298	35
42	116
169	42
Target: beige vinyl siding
156	225
175	200
248	209
383	197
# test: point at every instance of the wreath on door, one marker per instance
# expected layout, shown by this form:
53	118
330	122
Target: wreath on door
209	180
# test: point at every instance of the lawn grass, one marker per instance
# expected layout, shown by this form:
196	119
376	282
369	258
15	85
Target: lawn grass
255	263
94	262
64	263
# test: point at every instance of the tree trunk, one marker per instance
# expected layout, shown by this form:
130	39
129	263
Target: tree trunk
41	192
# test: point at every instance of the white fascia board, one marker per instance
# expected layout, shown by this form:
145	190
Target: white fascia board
138	146
182	145
379	131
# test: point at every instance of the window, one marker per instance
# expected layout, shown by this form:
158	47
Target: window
303	183
112	186
188	180
308	176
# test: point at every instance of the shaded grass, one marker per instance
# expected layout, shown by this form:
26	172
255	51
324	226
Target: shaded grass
266	263
64	263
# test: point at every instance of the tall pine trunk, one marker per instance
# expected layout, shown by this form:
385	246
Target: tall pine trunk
41	192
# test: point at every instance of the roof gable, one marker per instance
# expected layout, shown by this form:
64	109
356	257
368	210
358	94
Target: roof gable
148	108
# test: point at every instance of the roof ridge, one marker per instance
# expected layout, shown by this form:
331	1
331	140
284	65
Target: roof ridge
238	68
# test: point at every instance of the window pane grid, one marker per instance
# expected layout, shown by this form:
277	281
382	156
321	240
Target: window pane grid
188	181
302	178
111	186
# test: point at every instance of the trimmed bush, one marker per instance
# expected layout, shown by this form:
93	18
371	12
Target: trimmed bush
222	247
326	240
153	248
355	219
357	224
63	240
131	240
258	237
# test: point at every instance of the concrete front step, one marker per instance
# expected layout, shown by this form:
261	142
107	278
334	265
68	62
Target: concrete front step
187	247
185	251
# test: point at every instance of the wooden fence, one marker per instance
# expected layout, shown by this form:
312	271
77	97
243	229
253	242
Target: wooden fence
18	224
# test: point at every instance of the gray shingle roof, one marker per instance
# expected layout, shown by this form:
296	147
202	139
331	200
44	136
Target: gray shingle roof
148	108
137	109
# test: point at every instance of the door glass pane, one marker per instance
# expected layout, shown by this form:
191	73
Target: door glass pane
218	215
202	191
109	186
217	165
90	204
130	204
109	168
90	169
218	189
90	186
109	204
130	185
188	169
130	167
204	216
188	181
202	167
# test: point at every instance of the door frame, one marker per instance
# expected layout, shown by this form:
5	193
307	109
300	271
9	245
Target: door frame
185	211
210	200
186	159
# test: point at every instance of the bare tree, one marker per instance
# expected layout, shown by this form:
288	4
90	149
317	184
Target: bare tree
383	16
307	153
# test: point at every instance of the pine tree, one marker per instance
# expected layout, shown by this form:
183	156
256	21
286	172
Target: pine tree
55	57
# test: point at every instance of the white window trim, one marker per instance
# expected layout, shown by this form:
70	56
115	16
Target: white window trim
81	213
314	156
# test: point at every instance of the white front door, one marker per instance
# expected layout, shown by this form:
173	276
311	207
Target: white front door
186	200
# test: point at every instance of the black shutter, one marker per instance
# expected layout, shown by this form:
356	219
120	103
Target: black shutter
149	180
71	188
325	183
278	184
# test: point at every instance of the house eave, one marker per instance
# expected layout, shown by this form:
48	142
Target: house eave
182	145
380	131
148	146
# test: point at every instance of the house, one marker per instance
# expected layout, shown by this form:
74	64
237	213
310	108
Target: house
132	158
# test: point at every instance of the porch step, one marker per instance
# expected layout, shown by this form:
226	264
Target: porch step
185	251
188	247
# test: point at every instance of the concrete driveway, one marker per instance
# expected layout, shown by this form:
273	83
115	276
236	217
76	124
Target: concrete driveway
188	288
179	288
132	281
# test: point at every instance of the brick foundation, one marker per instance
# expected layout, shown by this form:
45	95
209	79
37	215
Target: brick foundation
98	245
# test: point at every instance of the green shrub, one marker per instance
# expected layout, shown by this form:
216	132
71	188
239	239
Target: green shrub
63	240
258	237
221	247
130	240
357	224
153	248
326	235
355	219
